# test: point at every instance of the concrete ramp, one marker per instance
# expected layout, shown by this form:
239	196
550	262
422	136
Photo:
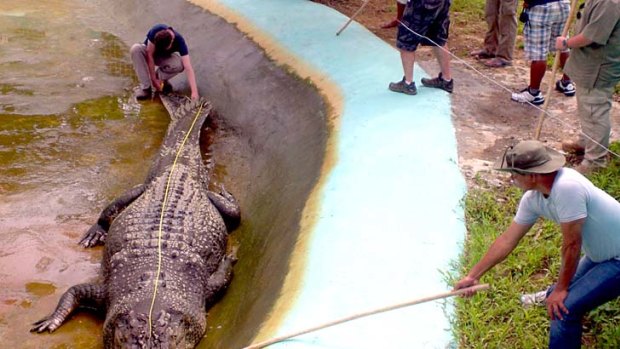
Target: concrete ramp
350	193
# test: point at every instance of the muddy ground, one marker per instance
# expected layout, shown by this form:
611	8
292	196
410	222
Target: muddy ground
485	118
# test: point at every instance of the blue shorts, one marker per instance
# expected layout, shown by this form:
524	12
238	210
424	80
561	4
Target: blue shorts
428	18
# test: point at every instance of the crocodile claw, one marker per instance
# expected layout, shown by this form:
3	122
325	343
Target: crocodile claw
225	193
94	236
48	323
232	256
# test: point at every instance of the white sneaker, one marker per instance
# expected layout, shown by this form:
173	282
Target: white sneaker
537	298
526	96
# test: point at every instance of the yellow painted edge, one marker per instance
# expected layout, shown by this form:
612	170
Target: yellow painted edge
334	101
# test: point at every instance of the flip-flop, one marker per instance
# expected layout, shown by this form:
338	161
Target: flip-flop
481	54
497	63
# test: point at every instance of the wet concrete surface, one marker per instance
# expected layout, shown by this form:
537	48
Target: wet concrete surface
72	138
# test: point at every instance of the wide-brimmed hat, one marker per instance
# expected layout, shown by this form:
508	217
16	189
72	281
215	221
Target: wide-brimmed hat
531	157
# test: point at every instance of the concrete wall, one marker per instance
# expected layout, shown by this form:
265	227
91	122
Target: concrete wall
269	150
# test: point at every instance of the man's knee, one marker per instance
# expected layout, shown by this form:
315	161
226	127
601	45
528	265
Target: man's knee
565	333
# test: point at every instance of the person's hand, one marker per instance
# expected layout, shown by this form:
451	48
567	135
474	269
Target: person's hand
195	95
159	84
555	304
559	43
466	282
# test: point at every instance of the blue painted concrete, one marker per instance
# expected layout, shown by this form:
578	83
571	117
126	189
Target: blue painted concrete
390	219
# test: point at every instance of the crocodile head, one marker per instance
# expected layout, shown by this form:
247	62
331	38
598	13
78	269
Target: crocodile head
168	331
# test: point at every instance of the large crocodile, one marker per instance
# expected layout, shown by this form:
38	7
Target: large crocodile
165	247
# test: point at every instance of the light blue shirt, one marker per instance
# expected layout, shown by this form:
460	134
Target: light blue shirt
574	197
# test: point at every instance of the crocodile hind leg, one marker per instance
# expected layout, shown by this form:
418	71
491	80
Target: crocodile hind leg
97	233
227	205
82	294
220	279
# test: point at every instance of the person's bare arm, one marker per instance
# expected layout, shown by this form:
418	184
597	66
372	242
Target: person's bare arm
576	41
497	252
571	250
150	62
191	76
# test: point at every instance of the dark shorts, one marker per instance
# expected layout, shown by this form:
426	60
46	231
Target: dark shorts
430	18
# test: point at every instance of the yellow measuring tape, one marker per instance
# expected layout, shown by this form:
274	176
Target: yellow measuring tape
161	219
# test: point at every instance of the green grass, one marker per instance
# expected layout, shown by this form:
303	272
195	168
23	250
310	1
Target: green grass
495	318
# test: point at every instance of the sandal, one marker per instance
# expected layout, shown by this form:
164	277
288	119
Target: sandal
497	63
481	54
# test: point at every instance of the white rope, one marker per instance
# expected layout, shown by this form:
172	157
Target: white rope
508	89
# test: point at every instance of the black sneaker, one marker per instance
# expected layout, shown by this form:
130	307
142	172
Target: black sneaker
439	82
403	87
166	88
142	94
566	87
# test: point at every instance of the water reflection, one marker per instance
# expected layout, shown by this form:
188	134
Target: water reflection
71	139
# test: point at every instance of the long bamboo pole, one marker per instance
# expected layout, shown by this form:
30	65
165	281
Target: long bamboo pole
354	15
368	313
556	64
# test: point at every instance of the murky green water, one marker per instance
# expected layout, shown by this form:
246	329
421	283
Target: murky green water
71	139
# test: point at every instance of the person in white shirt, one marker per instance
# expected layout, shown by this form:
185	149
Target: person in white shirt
589	219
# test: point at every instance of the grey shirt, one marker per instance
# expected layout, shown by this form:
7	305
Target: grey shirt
598	64
574	197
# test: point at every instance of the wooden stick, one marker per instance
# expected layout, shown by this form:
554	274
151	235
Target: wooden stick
354	15
556	64
368	313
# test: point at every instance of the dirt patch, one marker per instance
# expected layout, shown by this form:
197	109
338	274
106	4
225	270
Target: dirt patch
485	118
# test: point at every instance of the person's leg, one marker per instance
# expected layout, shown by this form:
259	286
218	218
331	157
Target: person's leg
600	284
563	58
536	35
444	79
539	298
491	15
138	58
537	72
407	43
584	266
594	107
406	85
564	84
438	37
168	67
507	26
408	60
443	58
561	9
542	18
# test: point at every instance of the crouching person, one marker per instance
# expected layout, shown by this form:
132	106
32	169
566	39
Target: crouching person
163	55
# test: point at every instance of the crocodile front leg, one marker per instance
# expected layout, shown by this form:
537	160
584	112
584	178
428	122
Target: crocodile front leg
97	233
227	205
82	294
221	278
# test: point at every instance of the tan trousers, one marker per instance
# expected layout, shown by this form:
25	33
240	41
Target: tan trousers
594	110
166	66
501	17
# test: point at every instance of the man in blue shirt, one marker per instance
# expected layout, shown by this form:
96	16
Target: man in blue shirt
589	220
163	55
